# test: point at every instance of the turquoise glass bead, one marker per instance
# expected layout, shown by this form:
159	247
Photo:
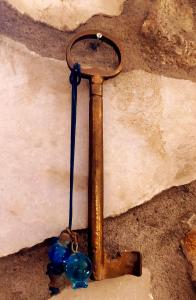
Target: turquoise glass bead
78	270
59	254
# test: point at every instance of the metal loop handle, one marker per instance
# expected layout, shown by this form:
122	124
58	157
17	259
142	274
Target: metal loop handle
90	71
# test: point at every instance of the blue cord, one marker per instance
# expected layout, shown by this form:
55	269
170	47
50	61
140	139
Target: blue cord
75	78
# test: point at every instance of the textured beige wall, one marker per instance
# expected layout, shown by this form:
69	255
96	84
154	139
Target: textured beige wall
149	143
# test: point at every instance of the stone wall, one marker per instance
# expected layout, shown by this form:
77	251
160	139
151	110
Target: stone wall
149	111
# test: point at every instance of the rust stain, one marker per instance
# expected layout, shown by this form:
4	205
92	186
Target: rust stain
141	108
186	170
17	207
190	242
189	249
13	212
54	142
38	144
151	132
62	177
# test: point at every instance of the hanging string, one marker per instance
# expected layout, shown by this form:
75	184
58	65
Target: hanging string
75	78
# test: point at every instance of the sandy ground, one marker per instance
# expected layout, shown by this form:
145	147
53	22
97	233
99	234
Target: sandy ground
155	228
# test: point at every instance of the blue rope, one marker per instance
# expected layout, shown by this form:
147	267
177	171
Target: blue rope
75	78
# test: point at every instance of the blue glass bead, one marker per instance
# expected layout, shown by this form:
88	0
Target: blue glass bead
54	291
54	240
78	270
54	269
58	254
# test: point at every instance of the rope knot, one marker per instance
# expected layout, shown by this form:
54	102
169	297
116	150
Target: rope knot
75	76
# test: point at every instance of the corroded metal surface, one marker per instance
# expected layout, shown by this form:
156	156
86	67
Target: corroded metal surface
127	262
92	70
189	249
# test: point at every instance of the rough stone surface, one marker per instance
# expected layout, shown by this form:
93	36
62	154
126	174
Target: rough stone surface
169	33
189	248
66	14
154	228
50	42
149	135
113	289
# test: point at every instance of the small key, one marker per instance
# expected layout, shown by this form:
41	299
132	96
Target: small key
127	262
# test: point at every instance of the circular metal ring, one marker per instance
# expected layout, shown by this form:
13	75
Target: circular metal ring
90	71
74	247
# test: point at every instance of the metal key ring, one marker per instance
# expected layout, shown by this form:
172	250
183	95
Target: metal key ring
90	71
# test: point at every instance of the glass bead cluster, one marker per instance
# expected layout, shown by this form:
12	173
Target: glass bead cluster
75	265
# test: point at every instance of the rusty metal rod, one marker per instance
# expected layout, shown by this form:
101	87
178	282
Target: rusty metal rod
96	192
